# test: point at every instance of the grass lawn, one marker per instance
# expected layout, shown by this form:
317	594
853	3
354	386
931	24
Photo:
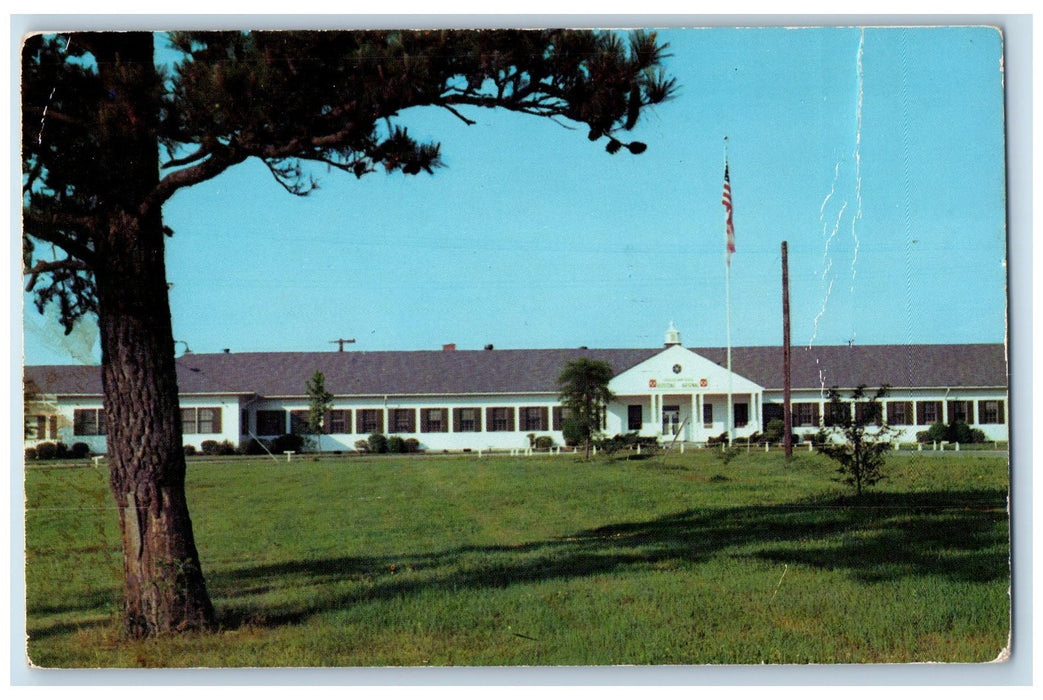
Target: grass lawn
383	561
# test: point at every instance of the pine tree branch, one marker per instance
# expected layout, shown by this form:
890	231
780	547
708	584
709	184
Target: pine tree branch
45	266
219	160
46	226
455	113
200	153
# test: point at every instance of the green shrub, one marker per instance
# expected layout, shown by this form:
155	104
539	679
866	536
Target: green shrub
818	437
79	450
412	445
718	440
287	443
396	445
362	445
30	454
189	450
543	442
214	448
957	431
775	432
627	442
378	443
256	446
46	450
936	433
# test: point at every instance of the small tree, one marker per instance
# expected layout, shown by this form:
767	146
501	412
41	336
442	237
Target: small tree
583	387
858	442
320	402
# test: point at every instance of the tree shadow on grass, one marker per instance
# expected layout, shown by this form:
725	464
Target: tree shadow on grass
958	535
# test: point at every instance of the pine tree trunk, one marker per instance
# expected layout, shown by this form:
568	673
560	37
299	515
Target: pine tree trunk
163	584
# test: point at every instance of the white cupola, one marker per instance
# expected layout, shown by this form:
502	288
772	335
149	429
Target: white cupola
673	336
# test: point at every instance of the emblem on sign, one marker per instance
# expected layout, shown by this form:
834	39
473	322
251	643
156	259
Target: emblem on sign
677	369
651	384
703	382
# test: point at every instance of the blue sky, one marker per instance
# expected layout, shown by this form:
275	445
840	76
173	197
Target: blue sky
877	154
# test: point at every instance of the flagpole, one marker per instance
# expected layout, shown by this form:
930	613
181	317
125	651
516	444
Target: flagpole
730	409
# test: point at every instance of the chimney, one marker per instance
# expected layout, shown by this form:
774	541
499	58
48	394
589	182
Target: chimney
449	347
228	350
489	346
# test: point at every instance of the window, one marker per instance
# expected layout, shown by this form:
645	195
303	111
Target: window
928	412
244	422
370	420
403	420
271	422
208	420
88	421
434	420
804	414
467	420
205	420
742	414
990	412
635	417
499	419
534	418
836	414
774	411
900	412
559	415
299	422
188	421
41	427
707	415
962	411
867	412
338	421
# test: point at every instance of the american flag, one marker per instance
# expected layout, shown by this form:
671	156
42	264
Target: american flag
726	200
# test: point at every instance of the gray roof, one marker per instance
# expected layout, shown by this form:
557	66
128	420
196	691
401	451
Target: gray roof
526	371
905	366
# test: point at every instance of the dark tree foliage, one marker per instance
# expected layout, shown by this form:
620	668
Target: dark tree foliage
858	442
108	137
583	390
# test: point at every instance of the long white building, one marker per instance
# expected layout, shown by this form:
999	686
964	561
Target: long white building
494	399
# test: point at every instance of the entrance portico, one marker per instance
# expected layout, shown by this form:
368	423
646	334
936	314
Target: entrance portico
681	395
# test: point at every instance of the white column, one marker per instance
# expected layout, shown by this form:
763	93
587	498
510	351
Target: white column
699	412
692	430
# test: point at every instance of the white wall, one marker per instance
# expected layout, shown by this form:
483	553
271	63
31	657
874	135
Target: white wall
452	441
907	433
616	421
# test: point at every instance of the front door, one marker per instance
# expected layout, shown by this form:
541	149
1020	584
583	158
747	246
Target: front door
671	419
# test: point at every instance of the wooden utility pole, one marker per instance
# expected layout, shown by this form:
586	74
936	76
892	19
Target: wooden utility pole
787	417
